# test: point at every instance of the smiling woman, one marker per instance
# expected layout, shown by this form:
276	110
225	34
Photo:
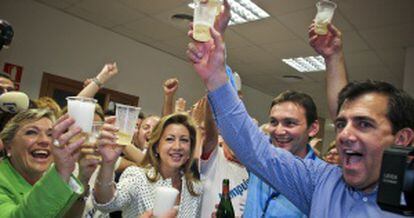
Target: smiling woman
169	162
26	174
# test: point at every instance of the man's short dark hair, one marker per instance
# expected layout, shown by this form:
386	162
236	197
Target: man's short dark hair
301	99
400	103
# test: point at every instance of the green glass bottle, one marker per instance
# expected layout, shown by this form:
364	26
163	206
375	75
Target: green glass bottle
225	207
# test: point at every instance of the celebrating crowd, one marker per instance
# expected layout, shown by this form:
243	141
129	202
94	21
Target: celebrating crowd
45	170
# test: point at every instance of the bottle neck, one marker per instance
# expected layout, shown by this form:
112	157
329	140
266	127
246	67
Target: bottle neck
225	191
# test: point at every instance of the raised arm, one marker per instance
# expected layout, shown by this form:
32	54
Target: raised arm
104	187
211	131
92	86
330	47
170	88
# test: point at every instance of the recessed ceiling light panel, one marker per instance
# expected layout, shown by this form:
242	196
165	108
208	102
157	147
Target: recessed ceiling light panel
306	64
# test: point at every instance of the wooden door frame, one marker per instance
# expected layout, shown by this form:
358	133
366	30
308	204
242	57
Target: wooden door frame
50	82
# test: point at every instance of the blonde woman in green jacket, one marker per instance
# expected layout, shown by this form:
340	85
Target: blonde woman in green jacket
30	186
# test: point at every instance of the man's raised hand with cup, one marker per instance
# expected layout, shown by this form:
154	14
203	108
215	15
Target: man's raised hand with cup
330	47
208	60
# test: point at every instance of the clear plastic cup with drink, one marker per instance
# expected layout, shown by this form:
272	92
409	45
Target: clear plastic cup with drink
324	16
89	147
82	109
204	17
96	130
126	119
164	201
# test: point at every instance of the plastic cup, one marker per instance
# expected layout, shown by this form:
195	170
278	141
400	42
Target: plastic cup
82	110
96	129
204	17
324	16
164	200
89	147
126	119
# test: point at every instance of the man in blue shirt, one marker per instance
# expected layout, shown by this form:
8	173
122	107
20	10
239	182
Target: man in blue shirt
371	116
293	120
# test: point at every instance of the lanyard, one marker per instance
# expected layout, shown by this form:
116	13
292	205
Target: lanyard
276	194
272	196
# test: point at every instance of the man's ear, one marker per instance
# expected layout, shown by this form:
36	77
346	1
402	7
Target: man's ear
404	137
313	129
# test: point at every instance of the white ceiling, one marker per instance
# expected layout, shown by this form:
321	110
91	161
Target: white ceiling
375	34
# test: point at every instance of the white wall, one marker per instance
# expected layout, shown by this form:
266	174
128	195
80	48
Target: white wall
258	103
408	85
47	40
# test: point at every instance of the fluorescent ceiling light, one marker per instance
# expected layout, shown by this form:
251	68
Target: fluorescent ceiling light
306	64
243	11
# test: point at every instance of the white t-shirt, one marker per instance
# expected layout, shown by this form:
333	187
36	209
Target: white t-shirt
213	171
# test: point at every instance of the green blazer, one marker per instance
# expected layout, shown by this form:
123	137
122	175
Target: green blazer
49	197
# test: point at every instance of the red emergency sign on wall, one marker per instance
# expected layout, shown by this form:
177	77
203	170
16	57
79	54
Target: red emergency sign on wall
15	73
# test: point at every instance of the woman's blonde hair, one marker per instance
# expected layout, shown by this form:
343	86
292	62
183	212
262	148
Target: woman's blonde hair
21	119
152	158
48	103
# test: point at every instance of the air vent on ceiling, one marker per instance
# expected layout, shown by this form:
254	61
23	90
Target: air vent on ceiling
182	17
291	78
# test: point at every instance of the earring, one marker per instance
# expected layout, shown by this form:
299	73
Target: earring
156	154
8	154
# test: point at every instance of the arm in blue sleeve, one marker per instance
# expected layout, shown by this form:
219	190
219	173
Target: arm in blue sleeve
291	176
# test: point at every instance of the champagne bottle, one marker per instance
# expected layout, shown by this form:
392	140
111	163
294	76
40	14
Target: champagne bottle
225	207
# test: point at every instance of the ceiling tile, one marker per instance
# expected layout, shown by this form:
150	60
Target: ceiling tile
364	58
59	4
134	34
353	42
232	61
281	7
251	54
393	58
288	49
235	40
119	13
245	68
397	36
89	17
155	29
178	42
379	13
263	81
151	7
298	22
264	31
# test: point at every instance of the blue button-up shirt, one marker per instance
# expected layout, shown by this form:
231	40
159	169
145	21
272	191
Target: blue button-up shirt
316	188
263	201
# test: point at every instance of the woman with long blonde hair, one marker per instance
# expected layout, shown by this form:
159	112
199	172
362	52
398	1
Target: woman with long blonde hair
168	162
